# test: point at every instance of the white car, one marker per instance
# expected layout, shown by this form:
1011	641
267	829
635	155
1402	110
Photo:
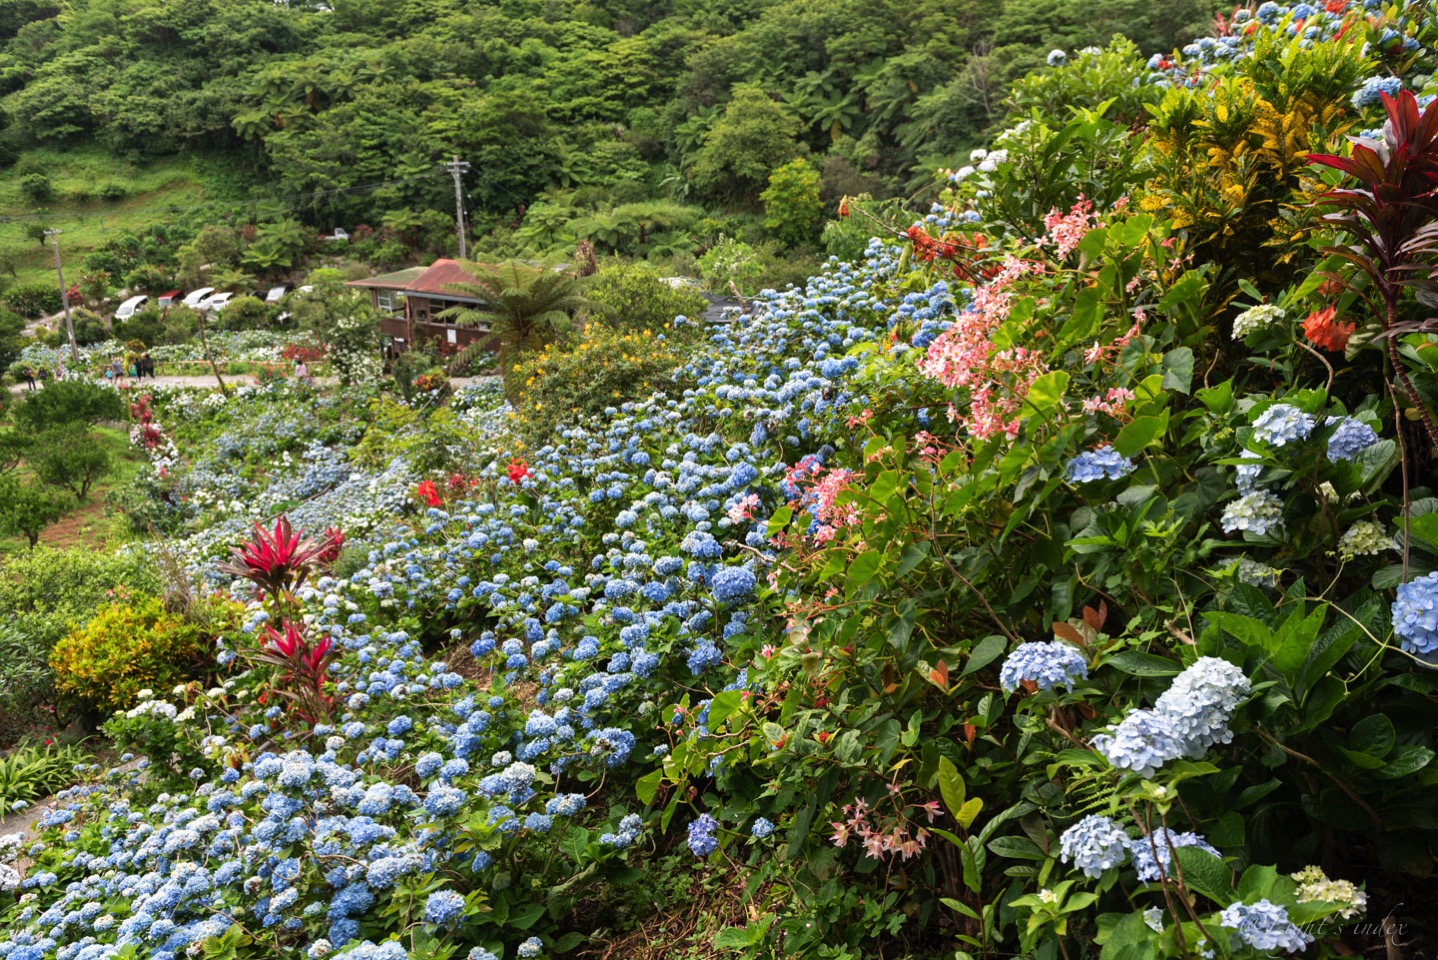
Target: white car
276	293
217	302
195	297
130	307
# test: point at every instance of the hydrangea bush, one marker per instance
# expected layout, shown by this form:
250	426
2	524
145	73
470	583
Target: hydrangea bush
1014	590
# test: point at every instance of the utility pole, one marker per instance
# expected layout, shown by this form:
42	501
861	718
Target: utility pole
457	168
64	296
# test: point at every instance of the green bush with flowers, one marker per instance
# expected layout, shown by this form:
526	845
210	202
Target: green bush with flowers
1056	581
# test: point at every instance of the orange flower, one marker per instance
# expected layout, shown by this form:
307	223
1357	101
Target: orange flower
1324	333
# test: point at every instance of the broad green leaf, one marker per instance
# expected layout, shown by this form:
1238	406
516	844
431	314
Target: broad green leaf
1178	370
647	786
780	519
1139	433
987	651
951	786
1017	848
1136	663
1206	874
969	812
862	570
723	705
1047	392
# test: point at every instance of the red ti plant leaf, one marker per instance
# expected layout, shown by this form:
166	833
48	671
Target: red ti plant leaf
278	561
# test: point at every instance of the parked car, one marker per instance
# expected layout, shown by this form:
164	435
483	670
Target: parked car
276	292
217	302
130	307
165	300
195	297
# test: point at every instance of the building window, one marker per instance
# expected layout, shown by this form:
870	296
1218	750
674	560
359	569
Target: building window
387	300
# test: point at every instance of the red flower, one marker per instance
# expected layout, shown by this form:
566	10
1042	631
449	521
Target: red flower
429	493
1324	333
844	207
278	561
330	551
289	643
518	470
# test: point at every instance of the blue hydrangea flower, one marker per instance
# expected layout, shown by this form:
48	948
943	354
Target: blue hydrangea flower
732	583
1264	926
530	948
1098	464
1350	438
1415	616
1144	741
1046	664
1282	424
701	835
761	829
1094	844
1142	850
443	907
1368	95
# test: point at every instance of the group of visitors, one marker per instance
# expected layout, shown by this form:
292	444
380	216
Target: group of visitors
139	368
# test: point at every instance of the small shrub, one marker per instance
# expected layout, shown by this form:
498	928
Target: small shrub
67	401
114	192
604	369
33	300
640	300
69	457
126	648
27	684
792	208
27	509
34	772
37	188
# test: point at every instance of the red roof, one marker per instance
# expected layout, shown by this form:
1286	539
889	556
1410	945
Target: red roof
434	281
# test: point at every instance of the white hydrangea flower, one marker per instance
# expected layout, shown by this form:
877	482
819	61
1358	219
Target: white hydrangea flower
1364	539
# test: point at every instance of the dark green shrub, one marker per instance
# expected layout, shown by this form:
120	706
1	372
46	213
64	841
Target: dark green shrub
640	300
67	401
113	191
34	299
27	509
27	684
45	592
37	188
68	456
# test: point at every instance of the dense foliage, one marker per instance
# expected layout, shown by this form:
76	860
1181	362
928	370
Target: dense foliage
1056	579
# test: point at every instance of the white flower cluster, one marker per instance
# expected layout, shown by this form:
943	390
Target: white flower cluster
1256	318
1364	539
1314	885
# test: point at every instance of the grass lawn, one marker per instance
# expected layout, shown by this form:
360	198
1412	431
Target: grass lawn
88	524
158	189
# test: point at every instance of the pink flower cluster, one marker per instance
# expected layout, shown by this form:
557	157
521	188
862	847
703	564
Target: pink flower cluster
1067	230
880	835
964	356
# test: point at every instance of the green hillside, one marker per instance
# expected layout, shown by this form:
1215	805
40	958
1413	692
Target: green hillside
647	129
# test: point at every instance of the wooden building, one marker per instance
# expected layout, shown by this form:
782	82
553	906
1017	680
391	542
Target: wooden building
412	300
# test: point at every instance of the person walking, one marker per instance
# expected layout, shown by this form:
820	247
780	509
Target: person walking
302	372
28	375
147	366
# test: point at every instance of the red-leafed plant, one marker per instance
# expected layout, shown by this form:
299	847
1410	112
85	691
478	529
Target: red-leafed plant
304	669
428	494
333	542
518	470
1392	218
278	561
